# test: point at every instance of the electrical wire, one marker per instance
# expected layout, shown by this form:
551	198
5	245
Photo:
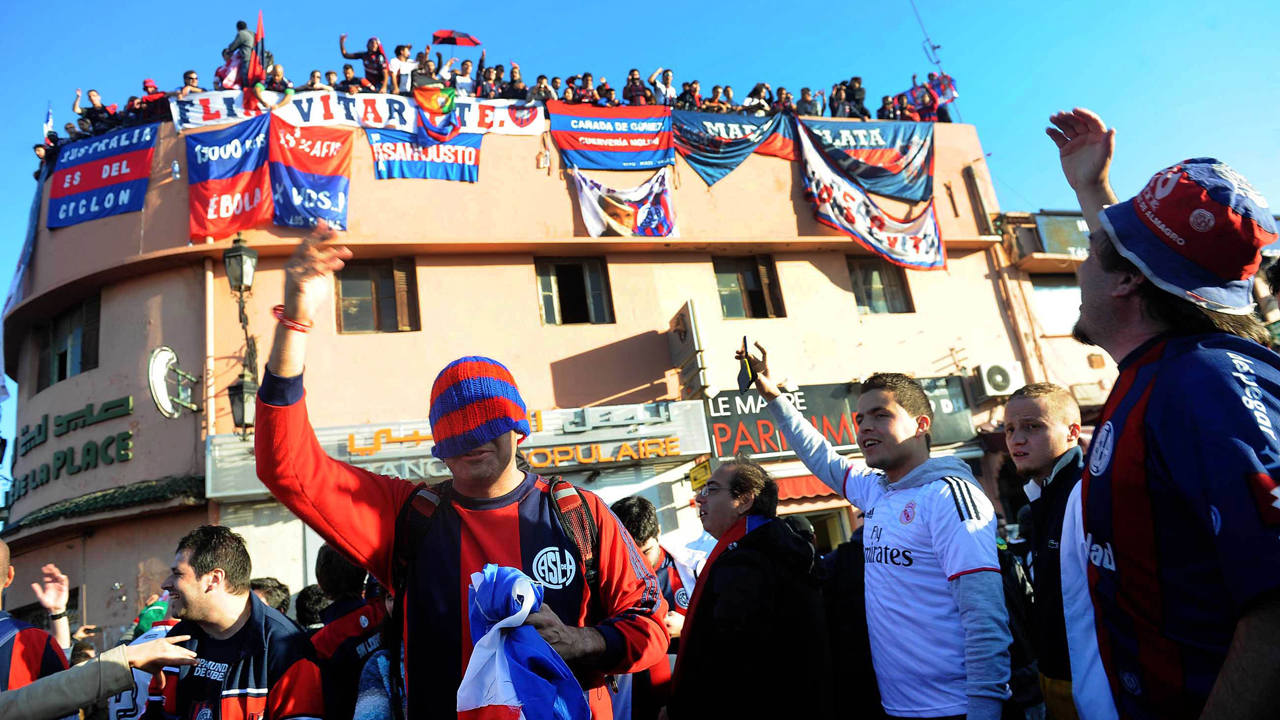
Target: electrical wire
931	50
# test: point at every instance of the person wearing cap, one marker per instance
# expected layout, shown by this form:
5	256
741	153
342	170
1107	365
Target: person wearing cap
489	512
1171	558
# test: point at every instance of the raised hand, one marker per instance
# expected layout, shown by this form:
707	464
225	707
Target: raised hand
84	631
53	592
760	366
309	272
1085	147
155	655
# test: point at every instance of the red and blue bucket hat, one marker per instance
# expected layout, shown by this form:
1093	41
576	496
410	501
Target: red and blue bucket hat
1196	230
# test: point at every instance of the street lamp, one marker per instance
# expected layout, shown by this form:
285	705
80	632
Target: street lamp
243	394
241	261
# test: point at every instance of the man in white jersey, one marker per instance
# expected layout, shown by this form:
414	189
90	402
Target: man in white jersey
131	702
935	603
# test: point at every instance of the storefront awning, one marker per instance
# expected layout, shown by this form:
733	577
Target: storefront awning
802	488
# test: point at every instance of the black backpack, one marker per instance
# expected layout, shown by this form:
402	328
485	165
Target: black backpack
414	521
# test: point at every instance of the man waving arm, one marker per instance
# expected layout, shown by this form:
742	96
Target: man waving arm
351	508
835	470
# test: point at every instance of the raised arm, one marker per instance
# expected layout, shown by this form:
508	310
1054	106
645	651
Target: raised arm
75	107
52	593
653	79
1085	147
833	469
351	508
342	46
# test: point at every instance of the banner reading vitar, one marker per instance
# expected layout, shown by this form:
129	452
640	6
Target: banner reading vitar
839	203
310	174
621	138
642	211
105	176
230	185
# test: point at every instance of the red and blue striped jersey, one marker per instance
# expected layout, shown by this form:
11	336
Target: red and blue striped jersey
1182	515
351	634
671	585
355	511
30	654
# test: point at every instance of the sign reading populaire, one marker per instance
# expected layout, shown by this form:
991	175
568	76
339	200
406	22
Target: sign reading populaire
620	138
368	110
104	176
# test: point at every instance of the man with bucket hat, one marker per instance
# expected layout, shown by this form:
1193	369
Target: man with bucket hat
1171	548
602	610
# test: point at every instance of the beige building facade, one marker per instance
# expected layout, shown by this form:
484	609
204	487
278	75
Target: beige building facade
108	483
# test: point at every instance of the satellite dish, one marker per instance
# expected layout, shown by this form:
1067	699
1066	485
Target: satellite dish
170	395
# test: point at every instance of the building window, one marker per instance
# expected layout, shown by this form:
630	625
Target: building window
748	287
879	287
378	296
69	345
1056	299
574	291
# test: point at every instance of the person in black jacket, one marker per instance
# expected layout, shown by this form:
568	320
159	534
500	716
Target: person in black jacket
755	641
1042	430
844	593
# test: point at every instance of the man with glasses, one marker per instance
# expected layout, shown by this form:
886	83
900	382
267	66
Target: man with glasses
190	84
756	615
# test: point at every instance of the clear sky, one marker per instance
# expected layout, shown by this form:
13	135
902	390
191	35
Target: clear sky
1178	78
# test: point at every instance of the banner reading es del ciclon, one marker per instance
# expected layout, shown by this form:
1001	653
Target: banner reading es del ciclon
107	175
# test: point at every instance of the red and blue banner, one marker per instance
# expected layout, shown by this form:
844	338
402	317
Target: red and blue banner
620	138
107	175
894	159
432	129
912	242
397	154
310	174
230	185
781	143
713	157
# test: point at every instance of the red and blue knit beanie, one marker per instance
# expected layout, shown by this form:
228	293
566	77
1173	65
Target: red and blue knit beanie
474	401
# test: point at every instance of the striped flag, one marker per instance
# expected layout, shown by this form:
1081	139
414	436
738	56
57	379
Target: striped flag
48	124
258	61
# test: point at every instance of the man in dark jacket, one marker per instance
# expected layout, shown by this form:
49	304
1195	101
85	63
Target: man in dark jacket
844	594
756	611
1042	430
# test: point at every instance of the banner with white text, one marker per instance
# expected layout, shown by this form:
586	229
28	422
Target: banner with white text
367	110
912	242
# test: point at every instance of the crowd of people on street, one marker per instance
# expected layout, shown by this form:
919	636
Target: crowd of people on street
1148	586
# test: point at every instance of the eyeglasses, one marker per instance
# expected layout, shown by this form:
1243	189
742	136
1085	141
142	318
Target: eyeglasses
707	490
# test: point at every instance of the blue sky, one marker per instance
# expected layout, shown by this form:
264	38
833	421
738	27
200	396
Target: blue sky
1178	78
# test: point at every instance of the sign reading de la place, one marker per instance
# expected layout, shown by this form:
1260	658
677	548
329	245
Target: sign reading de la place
74	457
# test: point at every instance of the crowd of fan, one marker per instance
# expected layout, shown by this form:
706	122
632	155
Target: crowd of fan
403	71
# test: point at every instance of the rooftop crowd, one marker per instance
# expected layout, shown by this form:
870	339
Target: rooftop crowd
403	70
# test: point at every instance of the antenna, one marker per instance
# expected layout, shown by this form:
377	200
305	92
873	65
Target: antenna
930	48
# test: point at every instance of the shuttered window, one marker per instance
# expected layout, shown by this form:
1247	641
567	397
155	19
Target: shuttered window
573	291
748	287
68	346
378	296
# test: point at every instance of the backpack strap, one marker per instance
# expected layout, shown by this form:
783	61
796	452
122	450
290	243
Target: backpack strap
412	524
579	524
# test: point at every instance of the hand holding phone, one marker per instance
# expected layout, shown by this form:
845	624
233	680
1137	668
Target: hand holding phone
746	374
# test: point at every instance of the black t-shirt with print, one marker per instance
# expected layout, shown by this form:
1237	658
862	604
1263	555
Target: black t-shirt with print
201	687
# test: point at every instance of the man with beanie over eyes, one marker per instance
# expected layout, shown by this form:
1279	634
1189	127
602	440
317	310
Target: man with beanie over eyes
489	512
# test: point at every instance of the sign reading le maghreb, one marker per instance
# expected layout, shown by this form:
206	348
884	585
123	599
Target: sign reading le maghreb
743	423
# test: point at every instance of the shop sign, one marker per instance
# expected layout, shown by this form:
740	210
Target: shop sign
606	436
699	475
73	460
743	423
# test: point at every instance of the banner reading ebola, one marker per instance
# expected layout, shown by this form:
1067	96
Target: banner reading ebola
105	176
912	242
368	110
230	185
310	174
